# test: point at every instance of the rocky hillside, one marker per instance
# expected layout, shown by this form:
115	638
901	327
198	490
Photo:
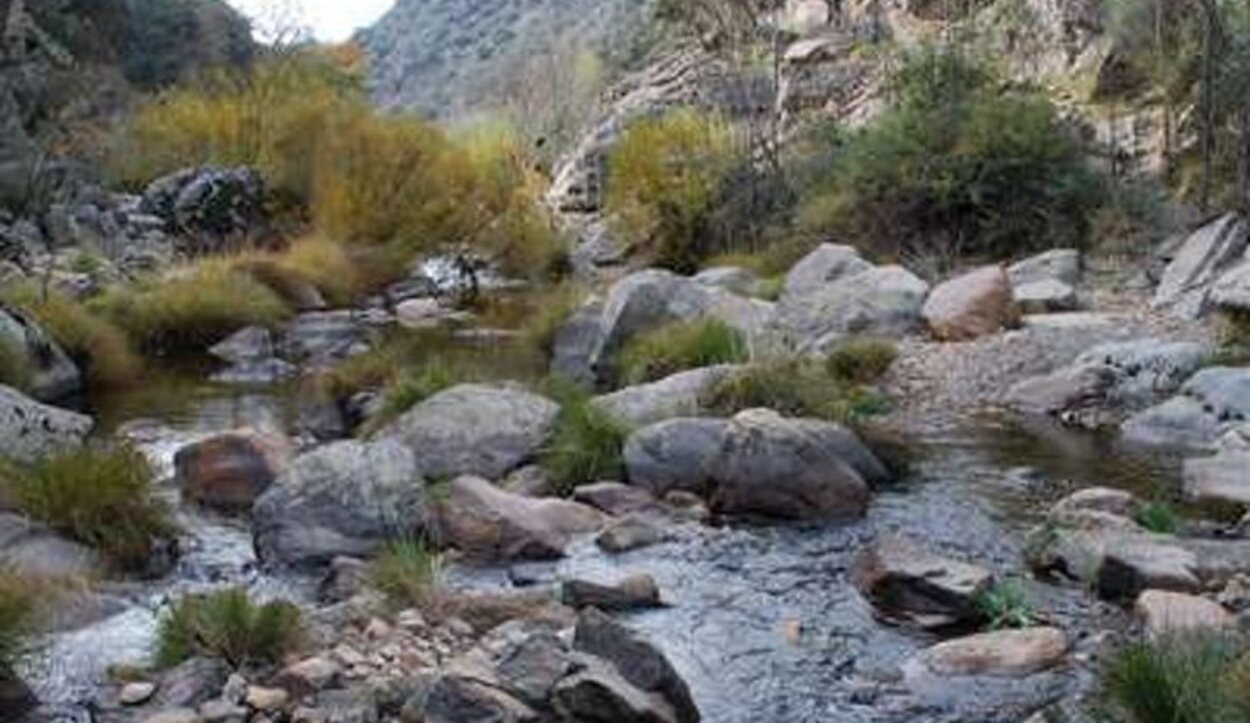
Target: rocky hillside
447	57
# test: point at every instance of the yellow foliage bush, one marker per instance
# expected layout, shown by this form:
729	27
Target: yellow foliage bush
664	177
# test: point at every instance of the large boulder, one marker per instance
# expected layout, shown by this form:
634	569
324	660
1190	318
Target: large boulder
52	375
227	472
972	305
679	395
208	206
1002	653
30	430
489	523
637	661
1205	256
758	463
475	429
346	498
833	293
908	582
1211	403
649	299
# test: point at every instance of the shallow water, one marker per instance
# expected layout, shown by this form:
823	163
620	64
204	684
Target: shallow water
762	621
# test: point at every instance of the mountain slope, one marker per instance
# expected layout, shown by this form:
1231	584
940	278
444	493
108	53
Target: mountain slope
449	57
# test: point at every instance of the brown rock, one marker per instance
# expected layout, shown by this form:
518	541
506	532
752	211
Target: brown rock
488	523
629	533
1004	653
229	471
972	305
1167	612
616	498
636	591
904	580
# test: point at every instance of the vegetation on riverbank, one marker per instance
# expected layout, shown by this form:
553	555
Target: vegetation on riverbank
586	444
679	346
407	573
228	625
17	612
1184	677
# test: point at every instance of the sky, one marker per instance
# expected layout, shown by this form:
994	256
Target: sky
329	20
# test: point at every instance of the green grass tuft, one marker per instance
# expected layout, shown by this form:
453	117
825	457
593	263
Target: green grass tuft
228	625
677	347
17	612
587	442
100	497
1159	517
1005	605
192	309
407	573
14	368
795	387
861	361
409	389
1194	677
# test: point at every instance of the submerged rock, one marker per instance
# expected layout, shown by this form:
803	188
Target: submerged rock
757	463
346	498
474	429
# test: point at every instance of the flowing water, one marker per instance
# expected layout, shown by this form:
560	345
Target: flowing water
762	621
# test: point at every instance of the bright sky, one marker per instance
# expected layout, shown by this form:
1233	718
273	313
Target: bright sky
329	20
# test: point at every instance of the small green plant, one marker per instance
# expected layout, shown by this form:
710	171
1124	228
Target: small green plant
96	344
17	612
587	442
861	361
1159	517
1005	605
1192	677
407	573
228	625
410	389
795	387
100	497
193	308
676	347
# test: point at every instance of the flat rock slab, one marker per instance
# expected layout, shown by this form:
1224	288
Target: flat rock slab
1169	612
1223	478
1072	320
1003	653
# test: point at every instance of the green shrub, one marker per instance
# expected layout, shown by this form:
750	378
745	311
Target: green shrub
664	177
794	387
193	308
226	624
100	347
957	165
861	361
100	497
679	346
1005	605
1159	517
17	611
587	443
1193	677
407	573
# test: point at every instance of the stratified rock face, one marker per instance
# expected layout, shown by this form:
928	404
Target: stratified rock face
345	498
969	306
1206	256
758	463
474	429
448	57
30	430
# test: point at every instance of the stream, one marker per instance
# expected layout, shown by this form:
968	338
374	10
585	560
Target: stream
762	621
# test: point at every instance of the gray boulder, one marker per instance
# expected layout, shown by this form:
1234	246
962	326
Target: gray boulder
208	206
1045	297
827	264
757	463
346	498
1224	478
474	429
31	548
1205	256
52	374
598	692
679	395
1213	402
882	301
636	660
730	278
1232	291
462	700
30	430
